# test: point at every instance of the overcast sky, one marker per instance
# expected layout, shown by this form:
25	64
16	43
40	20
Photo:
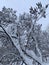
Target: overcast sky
23	6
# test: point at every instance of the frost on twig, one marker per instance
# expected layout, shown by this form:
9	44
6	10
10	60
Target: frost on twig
21	39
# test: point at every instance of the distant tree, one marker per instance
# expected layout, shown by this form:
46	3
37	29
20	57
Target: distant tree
7	16
47	28
23	41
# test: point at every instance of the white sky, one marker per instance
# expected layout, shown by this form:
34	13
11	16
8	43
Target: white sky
23	6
